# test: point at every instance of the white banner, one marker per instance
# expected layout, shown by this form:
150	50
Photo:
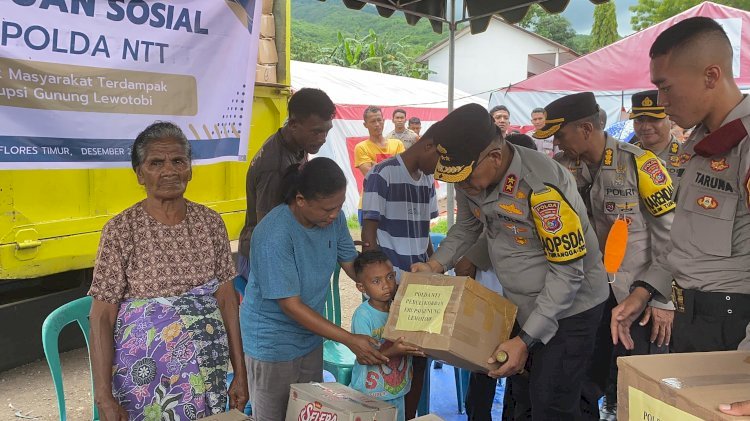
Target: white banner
79	79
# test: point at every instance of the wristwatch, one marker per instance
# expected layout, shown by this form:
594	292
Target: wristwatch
645	285
528	340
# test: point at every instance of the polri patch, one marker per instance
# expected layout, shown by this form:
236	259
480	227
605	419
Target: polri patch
654	170
549	212
654	185
558	226
708	202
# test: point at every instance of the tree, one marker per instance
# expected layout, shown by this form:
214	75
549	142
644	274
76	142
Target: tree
555	27
581	43
303	50
604	31
373	53
651	12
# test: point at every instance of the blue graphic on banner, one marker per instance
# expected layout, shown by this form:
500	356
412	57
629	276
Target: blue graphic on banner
46	149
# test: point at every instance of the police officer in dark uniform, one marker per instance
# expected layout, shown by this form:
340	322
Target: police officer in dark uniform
545	253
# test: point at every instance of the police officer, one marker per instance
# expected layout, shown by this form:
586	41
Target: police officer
709	255
545	253
617	181
653	129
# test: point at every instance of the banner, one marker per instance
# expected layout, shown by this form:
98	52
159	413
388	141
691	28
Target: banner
79	79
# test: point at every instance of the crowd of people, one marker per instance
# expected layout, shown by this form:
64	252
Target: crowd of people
533	217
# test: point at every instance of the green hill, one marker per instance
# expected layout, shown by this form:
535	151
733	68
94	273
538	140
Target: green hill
318	22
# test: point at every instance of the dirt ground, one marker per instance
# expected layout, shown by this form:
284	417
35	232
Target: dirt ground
27	392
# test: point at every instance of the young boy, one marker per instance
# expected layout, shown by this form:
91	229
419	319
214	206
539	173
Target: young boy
387	382
399	201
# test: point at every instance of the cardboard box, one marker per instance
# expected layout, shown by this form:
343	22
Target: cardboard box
267	51
233	415
335	402
267	7
452	318
265	73
682	387
267	26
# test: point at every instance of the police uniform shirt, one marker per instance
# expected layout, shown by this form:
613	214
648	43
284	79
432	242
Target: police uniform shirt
543	249
710	248
631	184
673	158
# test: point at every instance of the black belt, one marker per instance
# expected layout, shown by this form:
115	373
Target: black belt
711	303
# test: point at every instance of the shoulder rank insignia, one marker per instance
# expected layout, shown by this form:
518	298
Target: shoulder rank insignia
608	156
510	184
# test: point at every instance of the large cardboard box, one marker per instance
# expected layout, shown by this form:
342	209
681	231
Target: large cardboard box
682	387
233	415
267	26
267	53
452	318
335	402
265	73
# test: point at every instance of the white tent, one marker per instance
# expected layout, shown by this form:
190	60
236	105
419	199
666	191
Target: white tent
352	91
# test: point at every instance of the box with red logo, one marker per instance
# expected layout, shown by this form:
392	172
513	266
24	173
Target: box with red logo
335	402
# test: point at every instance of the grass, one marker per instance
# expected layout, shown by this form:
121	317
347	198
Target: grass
352	223
441	227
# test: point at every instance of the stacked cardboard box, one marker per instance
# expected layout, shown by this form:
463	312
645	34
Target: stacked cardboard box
682	387
268	57
334	401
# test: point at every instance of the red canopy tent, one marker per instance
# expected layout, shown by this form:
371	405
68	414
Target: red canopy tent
617	71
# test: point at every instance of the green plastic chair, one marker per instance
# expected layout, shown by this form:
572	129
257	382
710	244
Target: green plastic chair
337	358
74	311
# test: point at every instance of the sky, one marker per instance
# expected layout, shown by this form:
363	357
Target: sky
580	13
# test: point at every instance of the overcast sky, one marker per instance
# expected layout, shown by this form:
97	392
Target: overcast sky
580	13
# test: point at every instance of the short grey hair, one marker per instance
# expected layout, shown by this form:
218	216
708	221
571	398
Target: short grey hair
159	130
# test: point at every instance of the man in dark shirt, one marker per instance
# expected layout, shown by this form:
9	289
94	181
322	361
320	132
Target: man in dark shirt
310	114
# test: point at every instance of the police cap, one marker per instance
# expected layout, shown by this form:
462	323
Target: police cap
566	110
644	103
460	138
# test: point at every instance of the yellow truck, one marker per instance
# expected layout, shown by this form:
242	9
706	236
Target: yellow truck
51	220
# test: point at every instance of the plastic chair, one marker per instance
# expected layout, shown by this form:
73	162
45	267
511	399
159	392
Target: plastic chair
74	311
337	358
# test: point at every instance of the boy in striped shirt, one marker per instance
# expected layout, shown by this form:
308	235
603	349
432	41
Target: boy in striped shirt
399	200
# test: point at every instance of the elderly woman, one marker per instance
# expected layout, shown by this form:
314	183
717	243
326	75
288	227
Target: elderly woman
165	321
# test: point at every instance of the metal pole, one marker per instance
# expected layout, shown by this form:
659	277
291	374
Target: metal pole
451	77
